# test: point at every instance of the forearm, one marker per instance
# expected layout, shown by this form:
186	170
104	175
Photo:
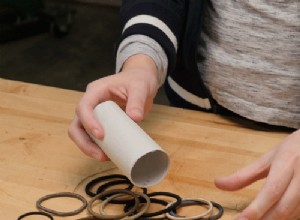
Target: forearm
142	45
152	28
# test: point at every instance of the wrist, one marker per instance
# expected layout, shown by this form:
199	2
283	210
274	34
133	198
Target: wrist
141	61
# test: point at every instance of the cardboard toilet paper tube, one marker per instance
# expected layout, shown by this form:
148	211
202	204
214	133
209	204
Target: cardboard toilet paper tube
133	151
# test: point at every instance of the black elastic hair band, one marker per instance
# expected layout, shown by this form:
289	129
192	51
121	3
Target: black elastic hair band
92	183
109	184
220	211
173	206
104	186
36	213
153	200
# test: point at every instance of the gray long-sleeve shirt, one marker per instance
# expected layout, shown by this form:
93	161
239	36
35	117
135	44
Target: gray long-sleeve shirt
249	58
252	58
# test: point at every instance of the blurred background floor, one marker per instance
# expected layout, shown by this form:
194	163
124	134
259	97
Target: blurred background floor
71	62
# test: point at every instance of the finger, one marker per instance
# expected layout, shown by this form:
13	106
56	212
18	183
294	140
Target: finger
137	98
97	92
288	206
83	141
279	177
85	109
249	174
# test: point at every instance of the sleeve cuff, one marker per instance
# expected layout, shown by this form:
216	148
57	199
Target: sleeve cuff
141	44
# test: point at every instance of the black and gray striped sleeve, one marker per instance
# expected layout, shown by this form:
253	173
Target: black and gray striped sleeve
153	28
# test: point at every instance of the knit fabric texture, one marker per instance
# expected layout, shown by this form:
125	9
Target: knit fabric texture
249	58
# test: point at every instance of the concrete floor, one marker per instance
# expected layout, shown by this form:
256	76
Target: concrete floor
85	54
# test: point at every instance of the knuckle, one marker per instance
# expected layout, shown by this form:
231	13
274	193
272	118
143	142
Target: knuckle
94	85
90	86
282	212
274	190
87	151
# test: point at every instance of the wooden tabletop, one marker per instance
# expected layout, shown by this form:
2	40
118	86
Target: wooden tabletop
38	158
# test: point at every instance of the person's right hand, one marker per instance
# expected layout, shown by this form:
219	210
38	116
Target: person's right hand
134	89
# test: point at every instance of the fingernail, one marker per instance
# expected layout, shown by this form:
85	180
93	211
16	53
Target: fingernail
101	158
137	115
96	133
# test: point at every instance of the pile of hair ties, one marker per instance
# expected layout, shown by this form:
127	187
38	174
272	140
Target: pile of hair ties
135	204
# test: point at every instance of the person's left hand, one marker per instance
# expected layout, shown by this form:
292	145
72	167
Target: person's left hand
279	198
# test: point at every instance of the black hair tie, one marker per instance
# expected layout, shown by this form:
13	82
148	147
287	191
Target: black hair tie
173	206
100	179
220	211
152	200
159	201
104	186
36	213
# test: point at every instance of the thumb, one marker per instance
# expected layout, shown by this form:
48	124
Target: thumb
135	107
255	171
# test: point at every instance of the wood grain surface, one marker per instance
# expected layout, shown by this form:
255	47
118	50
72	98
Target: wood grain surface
38	158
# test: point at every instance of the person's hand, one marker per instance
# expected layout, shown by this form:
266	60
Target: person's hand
134	89
279	198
